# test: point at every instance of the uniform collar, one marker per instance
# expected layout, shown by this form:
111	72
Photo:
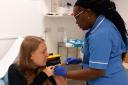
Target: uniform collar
97	23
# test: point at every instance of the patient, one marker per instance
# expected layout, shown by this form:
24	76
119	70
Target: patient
30	68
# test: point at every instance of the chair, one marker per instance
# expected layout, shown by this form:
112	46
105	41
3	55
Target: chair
9	58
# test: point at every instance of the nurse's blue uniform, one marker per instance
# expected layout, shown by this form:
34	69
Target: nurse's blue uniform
102	49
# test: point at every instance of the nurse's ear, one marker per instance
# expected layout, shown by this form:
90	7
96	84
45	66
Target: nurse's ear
88	10
90	13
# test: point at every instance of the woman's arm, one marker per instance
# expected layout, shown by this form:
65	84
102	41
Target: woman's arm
40	79
43	75
85	74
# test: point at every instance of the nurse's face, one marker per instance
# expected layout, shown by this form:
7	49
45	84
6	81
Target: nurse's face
40	55
82	17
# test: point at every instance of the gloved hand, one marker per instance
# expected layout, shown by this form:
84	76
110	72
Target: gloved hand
72	60
60	70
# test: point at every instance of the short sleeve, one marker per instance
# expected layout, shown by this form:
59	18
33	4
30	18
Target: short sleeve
99	48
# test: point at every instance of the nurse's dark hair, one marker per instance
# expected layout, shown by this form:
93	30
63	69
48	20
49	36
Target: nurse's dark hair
108	9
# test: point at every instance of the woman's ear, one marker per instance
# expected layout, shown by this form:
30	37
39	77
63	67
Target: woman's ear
31	56
88	10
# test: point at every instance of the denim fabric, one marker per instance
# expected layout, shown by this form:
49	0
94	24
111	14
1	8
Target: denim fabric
2	82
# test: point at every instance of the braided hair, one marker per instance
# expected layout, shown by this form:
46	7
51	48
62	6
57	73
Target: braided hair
108	9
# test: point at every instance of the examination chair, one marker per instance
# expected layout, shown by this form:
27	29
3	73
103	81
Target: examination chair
8	59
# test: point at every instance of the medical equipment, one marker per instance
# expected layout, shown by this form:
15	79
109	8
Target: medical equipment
53	59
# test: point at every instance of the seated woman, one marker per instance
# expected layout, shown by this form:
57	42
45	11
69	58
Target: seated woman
30	68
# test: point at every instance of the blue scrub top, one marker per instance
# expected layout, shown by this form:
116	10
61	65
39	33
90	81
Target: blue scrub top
102	49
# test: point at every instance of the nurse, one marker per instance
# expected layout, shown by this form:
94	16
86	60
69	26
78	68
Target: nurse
104	44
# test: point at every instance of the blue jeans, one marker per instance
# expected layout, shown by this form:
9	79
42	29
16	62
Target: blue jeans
2	82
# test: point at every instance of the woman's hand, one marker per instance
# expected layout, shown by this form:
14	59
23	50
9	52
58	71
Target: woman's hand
73	60
49	71
60	71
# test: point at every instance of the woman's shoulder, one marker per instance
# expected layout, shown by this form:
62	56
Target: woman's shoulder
13	69
103	28
108	25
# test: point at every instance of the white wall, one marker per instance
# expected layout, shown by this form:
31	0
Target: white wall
122	7
20	18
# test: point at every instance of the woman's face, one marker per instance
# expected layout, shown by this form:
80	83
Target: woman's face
82	17
40	55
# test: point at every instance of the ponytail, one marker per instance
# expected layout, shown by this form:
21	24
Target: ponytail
111	14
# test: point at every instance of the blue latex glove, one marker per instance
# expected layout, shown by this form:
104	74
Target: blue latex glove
60	70
72	60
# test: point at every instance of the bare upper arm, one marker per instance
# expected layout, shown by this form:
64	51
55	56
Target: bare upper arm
94	73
